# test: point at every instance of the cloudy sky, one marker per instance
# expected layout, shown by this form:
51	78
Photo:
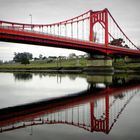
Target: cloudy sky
126	13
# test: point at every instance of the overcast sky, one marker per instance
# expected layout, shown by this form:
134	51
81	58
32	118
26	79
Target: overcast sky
125	12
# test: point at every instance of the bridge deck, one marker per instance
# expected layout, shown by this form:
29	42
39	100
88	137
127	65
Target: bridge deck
38	38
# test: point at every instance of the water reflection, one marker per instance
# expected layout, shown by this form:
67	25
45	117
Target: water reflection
22	76
96	109
116	80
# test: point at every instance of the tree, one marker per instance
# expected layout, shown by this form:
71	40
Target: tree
117	42
40	56
1	62
72	56
23	58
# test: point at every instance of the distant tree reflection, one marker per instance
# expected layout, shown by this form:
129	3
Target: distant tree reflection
23	76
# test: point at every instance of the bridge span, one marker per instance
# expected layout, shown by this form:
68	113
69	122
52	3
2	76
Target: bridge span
95	32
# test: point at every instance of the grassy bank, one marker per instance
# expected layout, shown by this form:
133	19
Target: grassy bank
45	65
66	64
127	66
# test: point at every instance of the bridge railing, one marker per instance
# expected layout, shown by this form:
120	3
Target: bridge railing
45	33
105	29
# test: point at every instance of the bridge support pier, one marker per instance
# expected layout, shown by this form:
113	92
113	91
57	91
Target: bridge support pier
99	64
99	61
93	79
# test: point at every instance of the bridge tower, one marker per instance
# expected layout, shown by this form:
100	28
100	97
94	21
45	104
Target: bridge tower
101	124
102	18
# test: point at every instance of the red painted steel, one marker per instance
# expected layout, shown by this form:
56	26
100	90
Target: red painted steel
31	112
17	32
91	27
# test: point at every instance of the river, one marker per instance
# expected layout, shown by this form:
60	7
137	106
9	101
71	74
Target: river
69	106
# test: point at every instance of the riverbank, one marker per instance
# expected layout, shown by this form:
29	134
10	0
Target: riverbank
71	66
71	69
59	69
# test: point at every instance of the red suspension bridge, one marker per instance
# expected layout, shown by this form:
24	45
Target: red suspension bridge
95	32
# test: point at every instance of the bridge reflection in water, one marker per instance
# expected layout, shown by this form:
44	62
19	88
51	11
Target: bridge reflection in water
95	109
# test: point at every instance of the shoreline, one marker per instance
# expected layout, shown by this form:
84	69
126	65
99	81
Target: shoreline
109	70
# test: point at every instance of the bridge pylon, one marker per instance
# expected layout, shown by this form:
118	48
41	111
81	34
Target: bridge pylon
102	18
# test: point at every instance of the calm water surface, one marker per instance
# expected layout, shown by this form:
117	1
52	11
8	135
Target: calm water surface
69	106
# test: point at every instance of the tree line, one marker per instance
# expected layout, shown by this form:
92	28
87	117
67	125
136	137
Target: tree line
23	58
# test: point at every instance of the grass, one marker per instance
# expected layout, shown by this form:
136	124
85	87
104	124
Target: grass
46	65
127	66
70	63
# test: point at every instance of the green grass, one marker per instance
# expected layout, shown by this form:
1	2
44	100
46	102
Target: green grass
45	65
70	63
127	66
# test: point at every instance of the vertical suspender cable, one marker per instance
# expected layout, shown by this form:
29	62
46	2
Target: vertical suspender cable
65	29
57	29
54	29
72	29
42	28
83	29
77	29
60	29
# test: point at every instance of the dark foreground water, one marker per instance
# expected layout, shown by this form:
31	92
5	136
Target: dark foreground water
60	106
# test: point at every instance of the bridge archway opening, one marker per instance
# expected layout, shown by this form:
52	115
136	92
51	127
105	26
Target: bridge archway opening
98	33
